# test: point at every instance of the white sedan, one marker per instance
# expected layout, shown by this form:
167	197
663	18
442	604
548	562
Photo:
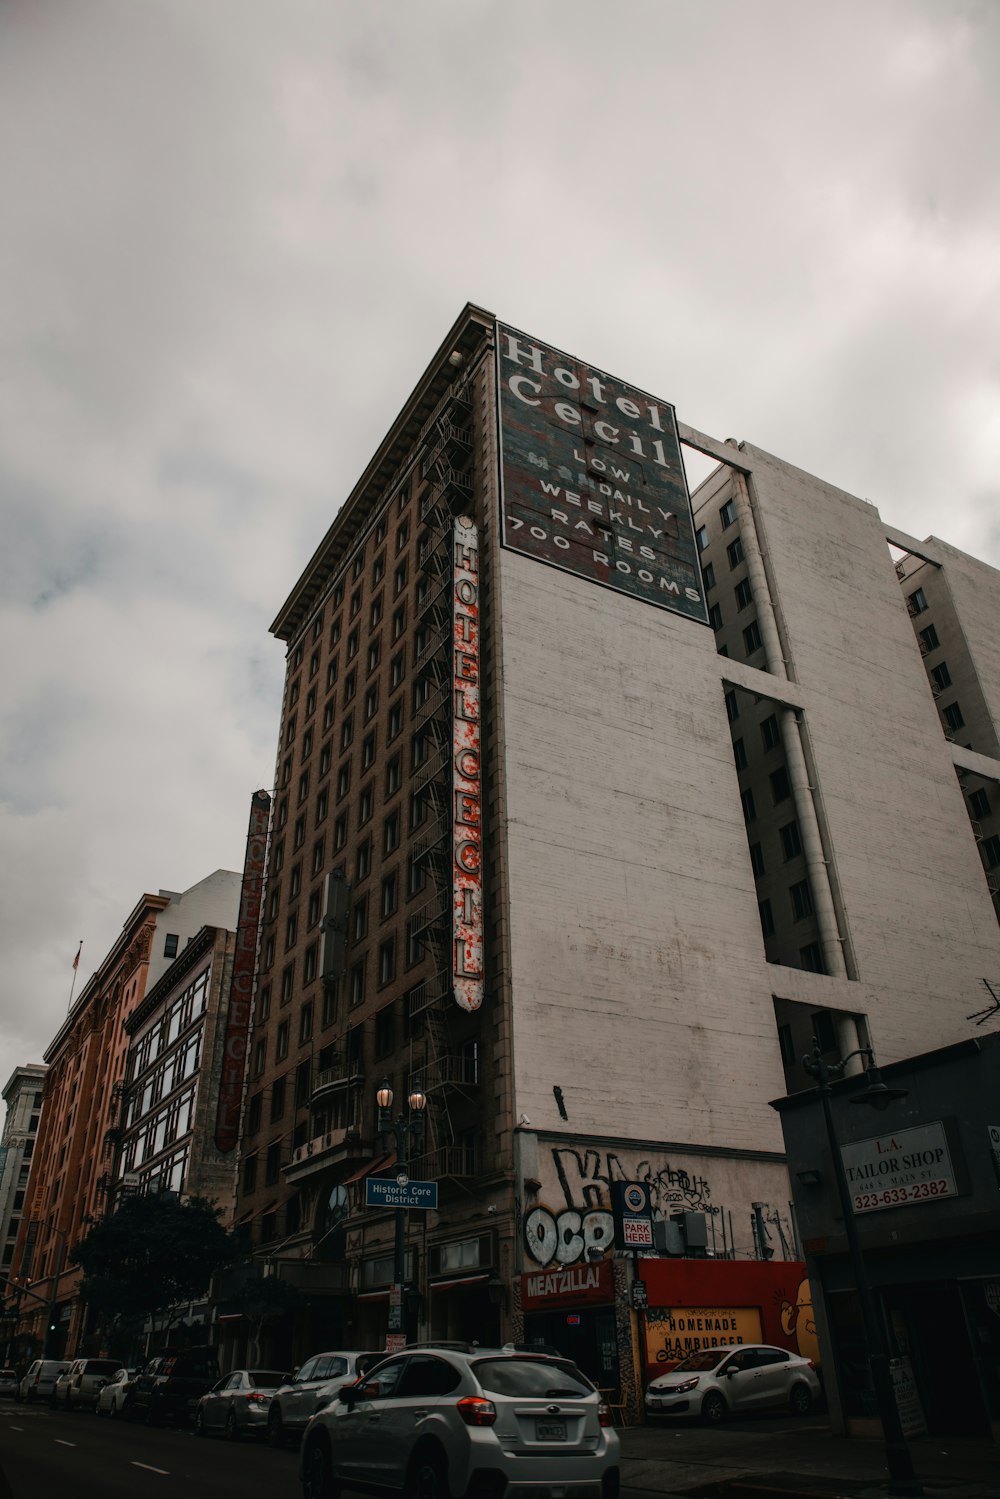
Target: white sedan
718	1382
111	1399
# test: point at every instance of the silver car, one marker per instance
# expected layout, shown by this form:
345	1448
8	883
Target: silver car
308	1388
40	1379
239	1403
111	1400
430	1422
718	1382
8	1382
83	1382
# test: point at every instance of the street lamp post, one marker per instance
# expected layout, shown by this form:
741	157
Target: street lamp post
899	1461
408	1126
51	1330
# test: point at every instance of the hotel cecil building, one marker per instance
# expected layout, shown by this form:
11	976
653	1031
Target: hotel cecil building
592	807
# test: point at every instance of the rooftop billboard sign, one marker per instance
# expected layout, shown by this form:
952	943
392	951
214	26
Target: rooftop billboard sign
591	477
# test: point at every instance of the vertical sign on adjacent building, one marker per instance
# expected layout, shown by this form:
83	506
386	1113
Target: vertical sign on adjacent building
591	477
467	819
237	1026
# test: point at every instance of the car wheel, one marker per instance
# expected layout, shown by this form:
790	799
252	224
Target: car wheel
713	1409
318	1481
426	1478
232	1430
199	1423
800	1400
275	1428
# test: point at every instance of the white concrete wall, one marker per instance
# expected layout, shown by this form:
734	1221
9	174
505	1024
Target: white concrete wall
213	901
638	981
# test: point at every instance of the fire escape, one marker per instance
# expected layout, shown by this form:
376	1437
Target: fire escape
104	1197
450	1073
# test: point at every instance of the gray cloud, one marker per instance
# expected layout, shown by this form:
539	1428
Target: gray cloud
234	232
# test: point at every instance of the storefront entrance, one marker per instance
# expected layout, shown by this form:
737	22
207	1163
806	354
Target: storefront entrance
927	1325
586	1336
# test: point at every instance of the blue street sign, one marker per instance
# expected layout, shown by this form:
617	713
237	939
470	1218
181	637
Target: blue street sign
386	1192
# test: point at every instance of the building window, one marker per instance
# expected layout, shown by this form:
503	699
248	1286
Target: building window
786	1045
368	751
253	1113
395	721
417	876
402	535
952	716
740	754
766	918
346	731
751	638
780	789
390	894
360	923
384	1031
331	994
381	529
414	943
393	775
281	1042
375	613
744	593
941	675
328	714
272	1164
350	686
311	701
397	668
170	942
917	601
732	706
708	576
303	1081
358	983
309	962
363	860
318	851
979	803
811	958
374	653
399	622
727	515
250	1174
343	779
299	836
801	898
305	1023
263	1007
770	733
366	804
701	536
715	616
390	833
260	1056
929	636
734	551
791	843
387	961
371	701
991	851
756	859
331	673
399	579
749	809
340	832
291	930
277	1099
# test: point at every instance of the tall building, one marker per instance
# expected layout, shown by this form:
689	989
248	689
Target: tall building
594	943
70	1184
22	1096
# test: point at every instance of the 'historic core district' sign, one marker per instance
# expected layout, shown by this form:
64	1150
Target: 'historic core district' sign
592	479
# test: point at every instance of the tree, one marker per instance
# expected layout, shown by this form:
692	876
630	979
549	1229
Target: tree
259	1300
150	1254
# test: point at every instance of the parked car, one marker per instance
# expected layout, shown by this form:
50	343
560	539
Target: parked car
8	1382
83	1382
40	1378
111	1400
717	1382
435	1422
239	1403
57	1395
318	1380
171	1385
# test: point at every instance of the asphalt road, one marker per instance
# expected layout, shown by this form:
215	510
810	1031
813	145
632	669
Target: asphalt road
47	1454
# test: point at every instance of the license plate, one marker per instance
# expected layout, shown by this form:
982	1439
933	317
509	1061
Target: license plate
550	1431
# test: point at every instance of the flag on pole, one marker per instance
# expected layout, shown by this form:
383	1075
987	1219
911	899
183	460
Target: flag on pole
76	960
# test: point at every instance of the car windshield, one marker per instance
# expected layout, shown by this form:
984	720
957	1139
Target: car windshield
268	1379
700	1362
545	1378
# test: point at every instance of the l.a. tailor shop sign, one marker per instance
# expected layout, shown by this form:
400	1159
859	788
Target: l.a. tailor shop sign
894	1170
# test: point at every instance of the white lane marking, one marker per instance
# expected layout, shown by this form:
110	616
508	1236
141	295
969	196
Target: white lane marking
150	1469
17	1428
60	1443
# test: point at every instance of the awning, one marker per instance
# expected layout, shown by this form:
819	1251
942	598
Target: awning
372	1295
459	1280
370	1167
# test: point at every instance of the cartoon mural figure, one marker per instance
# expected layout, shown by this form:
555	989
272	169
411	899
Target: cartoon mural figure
800	1320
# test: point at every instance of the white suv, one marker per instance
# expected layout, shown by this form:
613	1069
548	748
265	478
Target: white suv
318	1380
431	1422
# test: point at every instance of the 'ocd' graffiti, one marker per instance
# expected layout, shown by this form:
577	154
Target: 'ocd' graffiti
568	1236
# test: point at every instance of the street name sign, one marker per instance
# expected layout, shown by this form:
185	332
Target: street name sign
386	1192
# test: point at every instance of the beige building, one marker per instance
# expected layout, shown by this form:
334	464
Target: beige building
507	734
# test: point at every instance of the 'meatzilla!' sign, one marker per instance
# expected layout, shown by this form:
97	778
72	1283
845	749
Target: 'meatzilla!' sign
592	479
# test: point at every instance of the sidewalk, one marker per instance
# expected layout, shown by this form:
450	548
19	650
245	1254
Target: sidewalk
744	1461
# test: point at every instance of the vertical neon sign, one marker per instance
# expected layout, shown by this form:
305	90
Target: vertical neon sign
467	818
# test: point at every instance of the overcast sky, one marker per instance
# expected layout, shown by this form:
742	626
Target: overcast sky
233	232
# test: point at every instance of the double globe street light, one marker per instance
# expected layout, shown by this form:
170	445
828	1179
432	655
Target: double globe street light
405	1127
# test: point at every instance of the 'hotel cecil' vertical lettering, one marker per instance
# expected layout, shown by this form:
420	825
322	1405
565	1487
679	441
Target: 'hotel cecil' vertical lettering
467	812
592	480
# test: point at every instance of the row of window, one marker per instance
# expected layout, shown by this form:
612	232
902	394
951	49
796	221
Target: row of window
182	1012
791	847
781	790
181	1064
175	1120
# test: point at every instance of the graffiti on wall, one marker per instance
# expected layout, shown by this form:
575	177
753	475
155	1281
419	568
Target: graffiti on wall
580	1227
